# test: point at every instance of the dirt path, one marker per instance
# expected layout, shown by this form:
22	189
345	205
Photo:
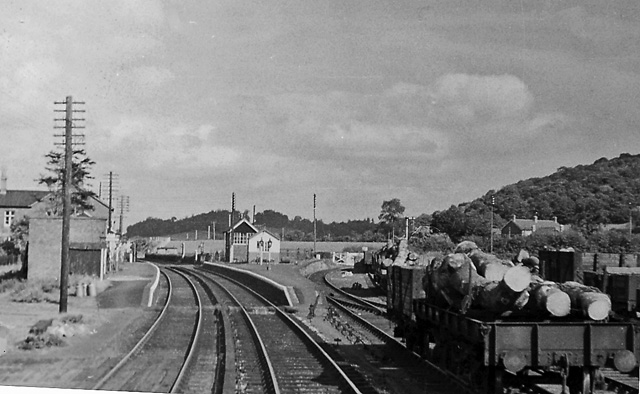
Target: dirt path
92	346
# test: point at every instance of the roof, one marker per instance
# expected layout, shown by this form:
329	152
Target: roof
242	226
21	198
266	232
527	224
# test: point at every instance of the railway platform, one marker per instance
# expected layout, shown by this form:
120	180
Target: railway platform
133	285
303	291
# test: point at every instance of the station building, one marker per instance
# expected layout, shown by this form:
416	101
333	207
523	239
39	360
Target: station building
244	242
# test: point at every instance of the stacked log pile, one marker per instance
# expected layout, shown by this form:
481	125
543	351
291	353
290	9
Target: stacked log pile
470	279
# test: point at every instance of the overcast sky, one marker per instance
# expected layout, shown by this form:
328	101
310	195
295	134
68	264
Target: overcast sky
431	102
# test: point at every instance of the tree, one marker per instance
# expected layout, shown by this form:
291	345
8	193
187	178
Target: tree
80	194
452	222
391	213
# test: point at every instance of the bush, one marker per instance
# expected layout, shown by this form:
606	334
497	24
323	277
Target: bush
35	291
423	242
41	341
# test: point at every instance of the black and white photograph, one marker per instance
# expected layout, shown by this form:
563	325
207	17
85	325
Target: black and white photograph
364	197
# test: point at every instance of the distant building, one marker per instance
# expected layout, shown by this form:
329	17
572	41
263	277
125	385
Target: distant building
526	227
618	227
15	205
236	241
264	247
87	240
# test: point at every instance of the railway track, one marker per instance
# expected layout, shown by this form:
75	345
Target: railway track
246	362
164	359
378	329
296	362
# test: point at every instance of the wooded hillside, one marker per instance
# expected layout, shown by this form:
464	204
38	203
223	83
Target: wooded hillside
585	196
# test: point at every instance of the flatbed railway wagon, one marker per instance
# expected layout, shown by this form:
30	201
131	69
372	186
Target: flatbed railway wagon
485	352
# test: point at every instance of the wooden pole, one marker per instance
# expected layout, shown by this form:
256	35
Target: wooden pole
491	229
66	206
110	200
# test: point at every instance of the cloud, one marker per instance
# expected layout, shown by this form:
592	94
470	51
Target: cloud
361	140
159	144
151	77
463	98
601	31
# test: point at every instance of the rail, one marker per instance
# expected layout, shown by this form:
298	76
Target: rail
142	340
305	337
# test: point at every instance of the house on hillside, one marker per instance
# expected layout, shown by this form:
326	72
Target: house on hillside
526	227
617	227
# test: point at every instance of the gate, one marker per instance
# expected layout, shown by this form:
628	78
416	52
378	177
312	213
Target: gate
84	259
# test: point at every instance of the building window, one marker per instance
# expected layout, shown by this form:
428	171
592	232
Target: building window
240	238
8	217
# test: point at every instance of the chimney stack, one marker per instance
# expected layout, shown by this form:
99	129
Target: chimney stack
3	181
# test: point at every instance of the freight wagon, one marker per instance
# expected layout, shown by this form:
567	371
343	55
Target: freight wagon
484	350
622	284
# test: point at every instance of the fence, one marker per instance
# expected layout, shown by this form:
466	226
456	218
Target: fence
297	254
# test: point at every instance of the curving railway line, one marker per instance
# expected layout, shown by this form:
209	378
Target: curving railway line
164	360
368	318
216	335
273	349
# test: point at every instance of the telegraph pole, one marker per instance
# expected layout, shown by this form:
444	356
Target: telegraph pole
314	223
66	201
493	201
110	196
124	207
110	200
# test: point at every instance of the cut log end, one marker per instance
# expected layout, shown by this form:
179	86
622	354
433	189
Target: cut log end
517	278
597	306
558	303
495	272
